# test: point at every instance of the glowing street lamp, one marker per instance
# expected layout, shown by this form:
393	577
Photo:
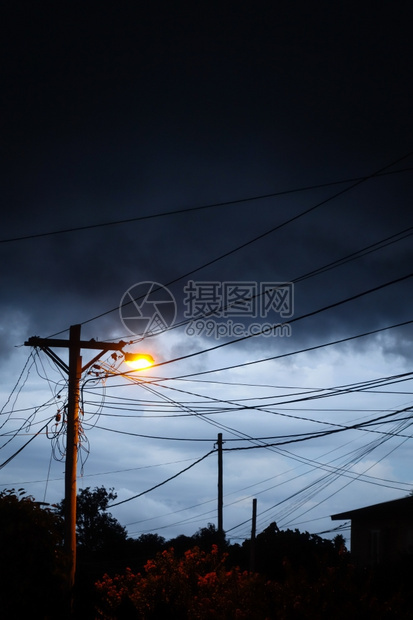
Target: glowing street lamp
139	361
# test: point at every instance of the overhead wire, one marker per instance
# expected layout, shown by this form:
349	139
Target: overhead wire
354	184
334	472
381	418
13	456
359	386
370	479
304	317
17	388
316	435
228	405
276	357
292	320
96	474
357	477
202	207
313	488
336	263
156	486
306	493
235	405
325	482
378	245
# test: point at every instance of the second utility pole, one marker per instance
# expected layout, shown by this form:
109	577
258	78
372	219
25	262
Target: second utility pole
220	487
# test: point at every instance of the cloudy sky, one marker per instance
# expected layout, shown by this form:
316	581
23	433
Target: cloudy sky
216	152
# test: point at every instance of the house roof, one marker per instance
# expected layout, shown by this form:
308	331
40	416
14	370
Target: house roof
399	507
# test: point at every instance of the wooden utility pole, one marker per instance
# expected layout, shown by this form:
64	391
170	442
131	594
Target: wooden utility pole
74	371
220	487
72	441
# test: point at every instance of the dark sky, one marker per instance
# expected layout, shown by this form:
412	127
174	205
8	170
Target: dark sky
122	111
115	113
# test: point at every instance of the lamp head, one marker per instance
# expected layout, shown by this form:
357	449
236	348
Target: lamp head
139	361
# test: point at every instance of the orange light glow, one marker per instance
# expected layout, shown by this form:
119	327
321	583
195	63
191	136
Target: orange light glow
139	361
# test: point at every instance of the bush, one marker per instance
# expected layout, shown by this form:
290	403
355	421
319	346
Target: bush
196	586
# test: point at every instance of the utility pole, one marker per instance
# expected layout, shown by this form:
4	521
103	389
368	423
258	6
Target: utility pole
220	487
72	442
74	371
253	533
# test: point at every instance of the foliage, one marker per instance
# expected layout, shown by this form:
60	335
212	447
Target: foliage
32	562
101	544
95	527
299	576
196	586
199	586
280	552
205	537
140	549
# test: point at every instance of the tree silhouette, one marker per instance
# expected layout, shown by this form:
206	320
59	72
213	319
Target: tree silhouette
282	552
95	528
205	537
101	544
32	562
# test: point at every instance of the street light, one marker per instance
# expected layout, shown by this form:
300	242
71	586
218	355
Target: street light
74	371
139	361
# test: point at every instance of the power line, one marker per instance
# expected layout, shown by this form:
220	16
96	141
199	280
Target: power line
306	436
203	207
369	249
281	355
123	403
165	481
131	434
16	389
378	245
293	320
322	482
359	181
357	477
362	386
104	473
7	461
360	454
